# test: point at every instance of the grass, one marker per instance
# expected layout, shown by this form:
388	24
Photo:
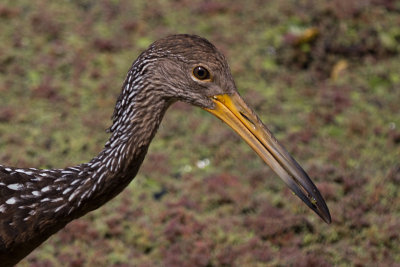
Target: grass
322	75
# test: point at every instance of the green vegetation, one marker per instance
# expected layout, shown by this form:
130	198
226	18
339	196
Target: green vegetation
323	75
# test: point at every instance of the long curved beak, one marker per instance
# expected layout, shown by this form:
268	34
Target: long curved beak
234	111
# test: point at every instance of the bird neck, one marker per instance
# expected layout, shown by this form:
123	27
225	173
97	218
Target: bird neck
131	134
117	164
37	203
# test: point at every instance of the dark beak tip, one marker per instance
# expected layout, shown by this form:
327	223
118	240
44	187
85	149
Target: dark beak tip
323	212
327	217
318	205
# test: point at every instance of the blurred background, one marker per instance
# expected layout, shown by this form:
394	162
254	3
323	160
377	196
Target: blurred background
323	75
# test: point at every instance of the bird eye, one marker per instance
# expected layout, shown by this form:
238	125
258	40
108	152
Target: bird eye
201	73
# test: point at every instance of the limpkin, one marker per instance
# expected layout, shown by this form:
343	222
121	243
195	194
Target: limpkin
36	203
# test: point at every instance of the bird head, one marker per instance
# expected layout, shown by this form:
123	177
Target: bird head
189	68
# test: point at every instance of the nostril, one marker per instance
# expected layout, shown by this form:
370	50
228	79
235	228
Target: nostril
247	118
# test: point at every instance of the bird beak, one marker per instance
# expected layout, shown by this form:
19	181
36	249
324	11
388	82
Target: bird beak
234	111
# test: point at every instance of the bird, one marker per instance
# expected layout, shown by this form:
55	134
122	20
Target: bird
36	203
